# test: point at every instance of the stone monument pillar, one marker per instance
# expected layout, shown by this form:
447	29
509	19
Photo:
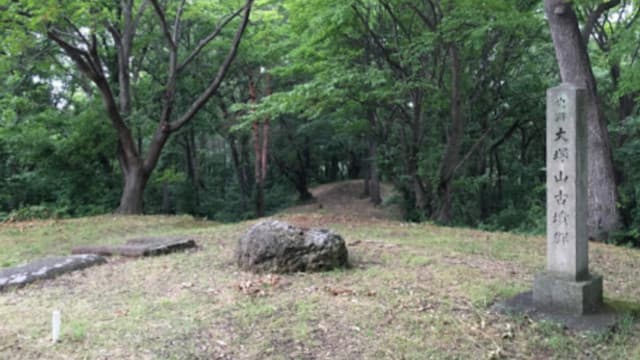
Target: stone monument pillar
566	286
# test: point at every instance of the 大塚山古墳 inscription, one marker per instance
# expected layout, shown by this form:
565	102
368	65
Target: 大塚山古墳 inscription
561	153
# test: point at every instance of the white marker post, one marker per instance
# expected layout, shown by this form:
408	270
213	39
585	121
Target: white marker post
55	326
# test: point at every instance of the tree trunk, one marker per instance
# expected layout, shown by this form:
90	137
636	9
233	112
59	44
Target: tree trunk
333	169
626	103
135	181
451	155
193	158
166	198
416	186
367	180
304	195
192	165
415	143
353	165
575	67
260	146
374	176
374	180
243	182
258	170
260	199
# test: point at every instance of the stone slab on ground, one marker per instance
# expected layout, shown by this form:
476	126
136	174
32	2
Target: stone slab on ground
46	268
604	320
138	247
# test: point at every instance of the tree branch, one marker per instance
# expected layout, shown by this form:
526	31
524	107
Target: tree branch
166	128
77	31
163	23
594	16
387	7
176	23
430	24
205	41
141	10
215	83
88	62
378	42
79	56
172	77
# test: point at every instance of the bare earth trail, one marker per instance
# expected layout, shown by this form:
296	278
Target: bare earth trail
416	291
344	202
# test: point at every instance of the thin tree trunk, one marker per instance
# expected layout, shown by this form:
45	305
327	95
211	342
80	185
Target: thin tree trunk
451	155
240	173
194	159
333	169
353	165
374	177
302	186
264	152
367	181
626	103
575	67
166	198
257	152
258	170
416	136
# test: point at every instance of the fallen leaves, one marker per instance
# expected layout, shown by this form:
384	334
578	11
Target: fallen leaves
260	286
342	291
334	291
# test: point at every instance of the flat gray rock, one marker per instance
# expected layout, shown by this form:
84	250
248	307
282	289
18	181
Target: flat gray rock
138	247
46	268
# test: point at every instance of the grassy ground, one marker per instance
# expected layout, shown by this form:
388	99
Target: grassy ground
415	292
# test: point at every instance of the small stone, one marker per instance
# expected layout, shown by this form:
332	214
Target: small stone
278	247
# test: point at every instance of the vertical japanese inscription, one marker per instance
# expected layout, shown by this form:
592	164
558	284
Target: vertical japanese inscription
561	154
566	185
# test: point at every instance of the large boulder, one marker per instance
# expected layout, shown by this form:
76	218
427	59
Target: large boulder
278	247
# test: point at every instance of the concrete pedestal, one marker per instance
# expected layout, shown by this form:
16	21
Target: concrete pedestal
556	294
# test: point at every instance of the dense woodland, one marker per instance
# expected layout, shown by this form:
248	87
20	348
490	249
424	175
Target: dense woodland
232	109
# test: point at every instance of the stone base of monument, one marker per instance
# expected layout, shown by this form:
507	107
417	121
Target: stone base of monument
598	320
553	293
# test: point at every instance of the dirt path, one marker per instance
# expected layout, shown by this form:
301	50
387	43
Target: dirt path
345	200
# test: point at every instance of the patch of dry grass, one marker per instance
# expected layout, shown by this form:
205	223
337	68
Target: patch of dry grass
415	292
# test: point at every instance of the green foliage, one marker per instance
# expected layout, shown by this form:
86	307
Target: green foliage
627	159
